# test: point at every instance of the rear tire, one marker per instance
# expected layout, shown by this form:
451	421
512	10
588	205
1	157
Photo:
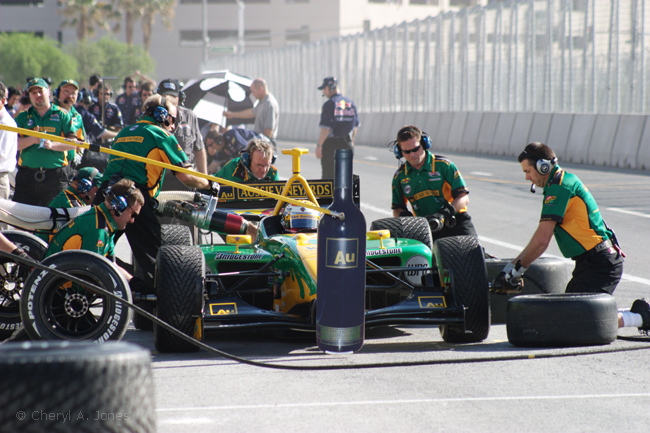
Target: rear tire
562	320
461	259
64	377
11	284
54	308
180	271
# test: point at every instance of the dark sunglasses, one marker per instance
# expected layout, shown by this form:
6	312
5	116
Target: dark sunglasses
134	214
415	149
173	119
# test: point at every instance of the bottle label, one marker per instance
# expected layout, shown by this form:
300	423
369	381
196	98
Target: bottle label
341	253
339	337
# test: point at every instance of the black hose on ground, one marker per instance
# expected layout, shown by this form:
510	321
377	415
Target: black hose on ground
210	349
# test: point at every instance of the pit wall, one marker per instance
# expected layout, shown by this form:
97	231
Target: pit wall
613	140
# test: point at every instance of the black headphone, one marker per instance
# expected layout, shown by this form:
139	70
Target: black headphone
159	112
246	158
425	141
332	84
56	92
543	166
119	203
86	184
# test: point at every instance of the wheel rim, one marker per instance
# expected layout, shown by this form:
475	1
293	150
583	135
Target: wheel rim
11	287
72	312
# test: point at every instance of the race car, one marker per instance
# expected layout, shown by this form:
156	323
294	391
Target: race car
271	283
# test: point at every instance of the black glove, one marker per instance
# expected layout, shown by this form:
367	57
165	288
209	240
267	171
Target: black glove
21	253
509	279
23	269
447	211
214	188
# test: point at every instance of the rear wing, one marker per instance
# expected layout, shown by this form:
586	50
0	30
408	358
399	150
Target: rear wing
237	200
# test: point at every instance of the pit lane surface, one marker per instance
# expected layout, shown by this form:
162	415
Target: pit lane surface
596	392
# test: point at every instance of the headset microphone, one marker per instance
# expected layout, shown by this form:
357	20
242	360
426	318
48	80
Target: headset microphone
532	188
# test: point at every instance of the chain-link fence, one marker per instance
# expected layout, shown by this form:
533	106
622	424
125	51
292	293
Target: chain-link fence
528	55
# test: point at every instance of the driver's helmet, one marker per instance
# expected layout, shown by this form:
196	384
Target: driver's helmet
297	218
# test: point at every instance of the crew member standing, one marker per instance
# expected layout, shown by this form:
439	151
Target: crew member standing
44	165
129	102
254	165
8	148
338	123
110	115
266	112
432	184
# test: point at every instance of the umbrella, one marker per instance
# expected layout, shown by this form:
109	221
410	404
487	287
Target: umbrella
217	91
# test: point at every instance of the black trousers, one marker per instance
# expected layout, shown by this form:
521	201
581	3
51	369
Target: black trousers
329	147
463	227
143	235
28	190
596	272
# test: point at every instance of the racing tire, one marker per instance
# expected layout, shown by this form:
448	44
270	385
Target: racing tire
416	228
106	387
544	275
170	234
12	282
461	259
180	273
54	308
562	320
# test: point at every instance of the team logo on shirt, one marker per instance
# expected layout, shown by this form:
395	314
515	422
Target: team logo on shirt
30	122
456	174
549	199
100	244
407	189
55	118
434	175
406	180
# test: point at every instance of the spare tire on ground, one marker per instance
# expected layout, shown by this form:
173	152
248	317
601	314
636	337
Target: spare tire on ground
562	320
544	275
64	386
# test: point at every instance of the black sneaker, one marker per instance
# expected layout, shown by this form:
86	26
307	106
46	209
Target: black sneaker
642	307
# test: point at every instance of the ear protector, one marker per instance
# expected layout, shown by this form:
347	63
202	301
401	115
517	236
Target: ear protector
119	203
56	92
425	142
86	184
160	112
332	84
246	158
543	166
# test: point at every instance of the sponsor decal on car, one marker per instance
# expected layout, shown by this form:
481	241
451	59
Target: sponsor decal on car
384	252
227	256
223	309
432	302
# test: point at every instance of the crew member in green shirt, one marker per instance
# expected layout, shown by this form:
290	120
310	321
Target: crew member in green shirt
431	184
255	164
43	165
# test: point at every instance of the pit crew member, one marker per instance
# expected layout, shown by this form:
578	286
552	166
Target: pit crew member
254	165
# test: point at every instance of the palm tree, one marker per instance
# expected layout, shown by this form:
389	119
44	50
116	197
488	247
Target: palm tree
150	8
86	15
132	11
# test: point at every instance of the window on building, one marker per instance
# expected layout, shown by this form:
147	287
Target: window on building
297	36
252	38
225	1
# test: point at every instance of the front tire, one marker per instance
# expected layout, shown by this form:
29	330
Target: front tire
180	271
12	283
416	228
461	265
55	308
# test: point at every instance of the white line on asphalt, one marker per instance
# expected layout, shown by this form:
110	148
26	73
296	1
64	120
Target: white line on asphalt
379	210
411	401
481	173
629	212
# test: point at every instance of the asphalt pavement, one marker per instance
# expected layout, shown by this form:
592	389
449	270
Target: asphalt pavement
406	379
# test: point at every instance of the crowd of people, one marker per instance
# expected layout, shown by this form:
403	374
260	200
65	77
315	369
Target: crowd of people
151	122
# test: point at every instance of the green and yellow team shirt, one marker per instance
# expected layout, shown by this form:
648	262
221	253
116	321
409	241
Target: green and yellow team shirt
236	172
77	122
93	231
580	226
438	179
148	140
56	122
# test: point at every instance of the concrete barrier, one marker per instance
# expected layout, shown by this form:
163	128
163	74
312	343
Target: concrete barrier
539	128
558	133
626	142
469	140
502	134
430	125
602	139
439	139
643	155
520	133
582	129
365	120
455	137
284	126
486	132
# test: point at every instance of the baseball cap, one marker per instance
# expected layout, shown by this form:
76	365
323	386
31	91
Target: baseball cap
37	82
73	82
91	173
328	81
168	87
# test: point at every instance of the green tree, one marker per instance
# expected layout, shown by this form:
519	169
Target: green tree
87	15
25	55
111	58
151	8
